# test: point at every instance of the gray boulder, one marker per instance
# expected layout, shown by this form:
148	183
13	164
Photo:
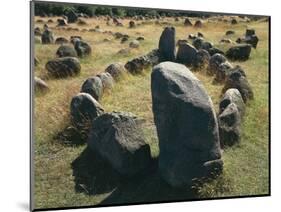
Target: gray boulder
222	72
118	138
215	62
82	48
232	95
230	126
93	86
167	44
186	124
116	70
240	82
186	54
66	51
63	67
202	58
239	52
84	108
61	40
107	80
215	50
47	37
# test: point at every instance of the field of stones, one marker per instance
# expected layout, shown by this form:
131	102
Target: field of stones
147	109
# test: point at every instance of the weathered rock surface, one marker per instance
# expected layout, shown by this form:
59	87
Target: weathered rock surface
167	44
63	67
66	51
116	70
186	54
240	82
215	62
230	126
84	108
94	87
239	52
118	138
107	80
186	124
82	48
40	85
232	95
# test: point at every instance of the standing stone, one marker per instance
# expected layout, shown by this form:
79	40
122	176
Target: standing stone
107	80
61	40
63	67
132	24
202	58
198	43
84	108
232	95
186	54
187	22
186	124
239	52
214	63
229	126
82	48
47	37
93	86
240	82
198	24
167	44
66	51
118	138
116	70
222	72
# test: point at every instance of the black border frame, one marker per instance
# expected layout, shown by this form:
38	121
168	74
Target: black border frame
31	90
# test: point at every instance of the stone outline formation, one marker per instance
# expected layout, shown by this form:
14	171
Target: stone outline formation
190	133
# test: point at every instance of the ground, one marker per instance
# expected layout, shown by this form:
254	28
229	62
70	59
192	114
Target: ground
246	170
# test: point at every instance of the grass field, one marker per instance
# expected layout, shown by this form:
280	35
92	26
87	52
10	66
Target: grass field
246	170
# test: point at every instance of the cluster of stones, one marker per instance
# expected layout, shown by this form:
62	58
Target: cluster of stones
66	63
190	133
184	114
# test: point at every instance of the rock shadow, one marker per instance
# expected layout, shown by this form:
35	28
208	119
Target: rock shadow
95	176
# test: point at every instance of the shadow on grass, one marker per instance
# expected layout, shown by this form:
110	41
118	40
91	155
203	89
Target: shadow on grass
95	176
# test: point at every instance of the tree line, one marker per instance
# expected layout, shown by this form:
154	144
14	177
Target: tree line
49	9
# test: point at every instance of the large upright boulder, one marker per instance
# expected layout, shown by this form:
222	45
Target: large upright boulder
167	44
63	67
117	137
187	22
186	124
84	108
186	54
